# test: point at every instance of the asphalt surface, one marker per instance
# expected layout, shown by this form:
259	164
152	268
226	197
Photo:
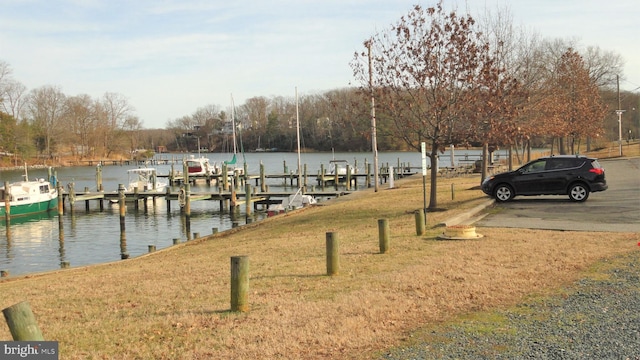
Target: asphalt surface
615	210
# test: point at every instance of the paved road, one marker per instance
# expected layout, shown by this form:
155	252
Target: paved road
614	210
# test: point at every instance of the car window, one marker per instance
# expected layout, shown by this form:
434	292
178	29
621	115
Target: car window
535	166
558	164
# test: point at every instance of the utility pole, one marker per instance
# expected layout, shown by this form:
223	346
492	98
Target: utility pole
374	143
619	112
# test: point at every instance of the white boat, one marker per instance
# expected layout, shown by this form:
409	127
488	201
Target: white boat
145	180
29	197
200	166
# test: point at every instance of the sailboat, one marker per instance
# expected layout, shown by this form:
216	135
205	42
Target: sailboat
299	199
233	169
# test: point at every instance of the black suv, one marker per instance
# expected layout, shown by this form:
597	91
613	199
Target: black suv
571	175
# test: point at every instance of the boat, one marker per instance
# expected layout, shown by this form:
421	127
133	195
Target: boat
29	197
145	180
200	166
338	171
299	199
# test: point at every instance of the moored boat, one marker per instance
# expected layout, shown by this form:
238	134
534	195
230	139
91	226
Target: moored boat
145	180
28	197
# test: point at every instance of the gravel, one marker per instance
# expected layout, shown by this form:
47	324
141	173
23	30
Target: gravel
595	318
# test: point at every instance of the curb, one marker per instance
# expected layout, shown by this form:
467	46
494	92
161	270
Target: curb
458	219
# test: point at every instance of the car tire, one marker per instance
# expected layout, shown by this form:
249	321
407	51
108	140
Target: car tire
503	193
578	192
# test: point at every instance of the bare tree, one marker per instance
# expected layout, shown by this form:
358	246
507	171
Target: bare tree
80	120
115	110
46	108
431	71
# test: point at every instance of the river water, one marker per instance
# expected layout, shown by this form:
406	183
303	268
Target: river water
43	243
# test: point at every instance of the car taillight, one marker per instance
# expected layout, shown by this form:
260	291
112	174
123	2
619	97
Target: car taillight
597	171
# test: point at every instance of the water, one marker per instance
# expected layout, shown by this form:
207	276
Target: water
43	242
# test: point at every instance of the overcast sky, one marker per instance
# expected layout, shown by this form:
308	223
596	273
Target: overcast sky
170	57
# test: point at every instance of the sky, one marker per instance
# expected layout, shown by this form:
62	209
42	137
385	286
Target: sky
171	57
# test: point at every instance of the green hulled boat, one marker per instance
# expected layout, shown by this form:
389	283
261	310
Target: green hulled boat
28	197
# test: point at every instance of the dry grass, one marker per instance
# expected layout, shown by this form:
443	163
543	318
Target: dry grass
174	304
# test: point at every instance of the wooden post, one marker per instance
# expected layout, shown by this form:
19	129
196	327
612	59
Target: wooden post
176	241
166	196
239	283
60	199
22	322
196	235
383	235
453	193
123	205
348	178
7	199
152	248
263	182
420	223
214	230
333	254
247	198
72	196
322	176
99	178
136	201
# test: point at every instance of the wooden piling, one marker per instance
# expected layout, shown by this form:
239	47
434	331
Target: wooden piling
420	223
239	283
7	199
123	205
196	235
22	323
152	248
383	235
176	241
60	199
247	198
333	253
65	264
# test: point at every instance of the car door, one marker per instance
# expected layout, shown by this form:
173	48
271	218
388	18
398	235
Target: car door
555	178
529	178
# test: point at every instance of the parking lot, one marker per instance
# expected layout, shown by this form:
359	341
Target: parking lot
614	210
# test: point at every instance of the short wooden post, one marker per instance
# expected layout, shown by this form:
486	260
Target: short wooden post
453	192
4	273
60	199
239	283
214	230
196	235
420	226
65	264
152	248
333	254
167	197
383	235
176	241
22	322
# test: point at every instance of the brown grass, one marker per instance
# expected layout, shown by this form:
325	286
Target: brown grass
174	304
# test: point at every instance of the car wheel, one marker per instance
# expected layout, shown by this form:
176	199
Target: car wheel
503	192
578	192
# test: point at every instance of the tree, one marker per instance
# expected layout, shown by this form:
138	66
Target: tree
46	108
573	108
80	122
433	70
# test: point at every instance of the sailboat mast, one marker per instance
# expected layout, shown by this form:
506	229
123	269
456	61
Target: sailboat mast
298	136
233	124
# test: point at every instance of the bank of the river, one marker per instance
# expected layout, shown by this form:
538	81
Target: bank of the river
174	304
